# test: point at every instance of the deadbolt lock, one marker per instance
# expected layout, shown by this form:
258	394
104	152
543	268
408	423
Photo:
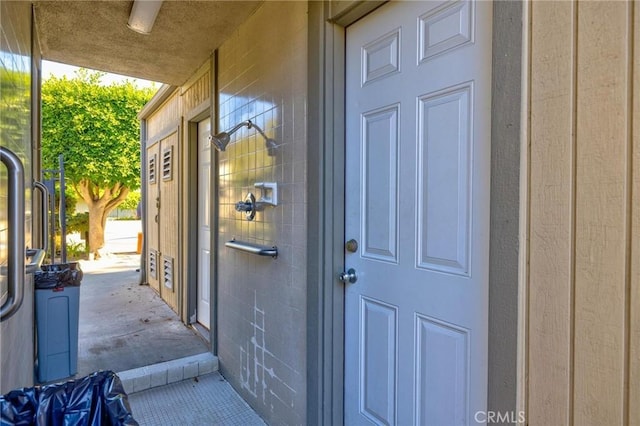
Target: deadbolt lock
351	246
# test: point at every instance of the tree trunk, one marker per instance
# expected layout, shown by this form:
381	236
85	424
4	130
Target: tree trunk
96	229
100	201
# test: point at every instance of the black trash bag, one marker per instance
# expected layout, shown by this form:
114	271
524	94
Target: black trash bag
96	400
58	275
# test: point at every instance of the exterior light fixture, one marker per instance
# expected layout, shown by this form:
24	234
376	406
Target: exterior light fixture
143	15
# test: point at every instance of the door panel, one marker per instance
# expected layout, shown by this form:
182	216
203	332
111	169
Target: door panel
417	199
378	339
169	220
152	209
443	180
380	184
442	354
163	219
204	226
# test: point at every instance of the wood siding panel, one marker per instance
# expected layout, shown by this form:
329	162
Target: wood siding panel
165	117
551	277
197	93
601	209
634	289
152	214
583	323
169	235
170	221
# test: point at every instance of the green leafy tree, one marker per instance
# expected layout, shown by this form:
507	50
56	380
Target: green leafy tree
96	129
131	203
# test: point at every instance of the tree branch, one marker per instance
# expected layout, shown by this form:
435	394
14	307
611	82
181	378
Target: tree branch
113	203
85	192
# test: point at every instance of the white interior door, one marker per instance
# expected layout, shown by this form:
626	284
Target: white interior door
417	203
203	312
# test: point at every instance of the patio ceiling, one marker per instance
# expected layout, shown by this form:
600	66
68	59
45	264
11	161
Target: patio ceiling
94	34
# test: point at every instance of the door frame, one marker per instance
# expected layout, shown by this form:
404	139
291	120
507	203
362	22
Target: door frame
205	110
325	207
201	113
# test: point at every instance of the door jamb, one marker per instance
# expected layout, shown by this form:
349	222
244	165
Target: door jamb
191	150
325	207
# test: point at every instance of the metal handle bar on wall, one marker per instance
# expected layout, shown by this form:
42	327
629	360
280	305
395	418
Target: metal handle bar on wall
16	216
45	213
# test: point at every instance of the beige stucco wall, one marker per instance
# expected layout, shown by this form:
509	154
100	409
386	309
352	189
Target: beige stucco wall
262	301
582	292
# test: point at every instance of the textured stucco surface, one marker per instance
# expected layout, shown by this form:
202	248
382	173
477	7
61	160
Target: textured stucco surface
505	178
94	34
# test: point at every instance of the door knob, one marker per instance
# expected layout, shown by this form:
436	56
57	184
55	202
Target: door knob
348	277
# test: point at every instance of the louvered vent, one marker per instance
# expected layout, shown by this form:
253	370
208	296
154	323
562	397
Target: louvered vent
167	163
152	169
153	264
168	272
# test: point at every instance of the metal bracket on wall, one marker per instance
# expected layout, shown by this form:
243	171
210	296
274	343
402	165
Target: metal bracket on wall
269	192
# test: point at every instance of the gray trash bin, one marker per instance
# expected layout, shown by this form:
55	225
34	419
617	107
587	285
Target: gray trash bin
57	310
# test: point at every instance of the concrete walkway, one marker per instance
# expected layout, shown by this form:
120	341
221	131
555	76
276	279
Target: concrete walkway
166	368
124	325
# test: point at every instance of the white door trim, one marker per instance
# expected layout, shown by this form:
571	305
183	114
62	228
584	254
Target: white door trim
204	252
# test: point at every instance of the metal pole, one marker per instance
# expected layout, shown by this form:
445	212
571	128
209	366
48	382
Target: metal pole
63	211
52	221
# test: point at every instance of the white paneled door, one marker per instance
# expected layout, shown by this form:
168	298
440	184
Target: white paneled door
203	312
417	207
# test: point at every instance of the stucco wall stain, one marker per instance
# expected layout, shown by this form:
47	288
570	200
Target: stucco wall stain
255	375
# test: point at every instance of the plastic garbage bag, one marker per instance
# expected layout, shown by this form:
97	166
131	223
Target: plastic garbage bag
58	275
95	400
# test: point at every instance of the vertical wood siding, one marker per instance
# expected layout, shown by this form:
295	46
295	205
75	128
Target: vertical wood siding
169	235
169	218
584	225
164	117
197	93
151	233
551	209
634	287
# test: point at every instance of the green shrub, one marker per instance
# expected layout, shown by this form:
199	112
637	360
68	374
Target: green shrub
79	223
76	250
131	202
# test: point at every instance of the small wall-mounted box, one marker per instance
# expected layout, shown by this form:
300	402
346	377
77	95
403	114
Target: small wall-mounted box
269	193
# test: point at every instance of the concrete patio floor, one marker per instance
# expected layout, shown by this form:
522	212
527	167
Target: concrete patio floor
166	368
124	325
